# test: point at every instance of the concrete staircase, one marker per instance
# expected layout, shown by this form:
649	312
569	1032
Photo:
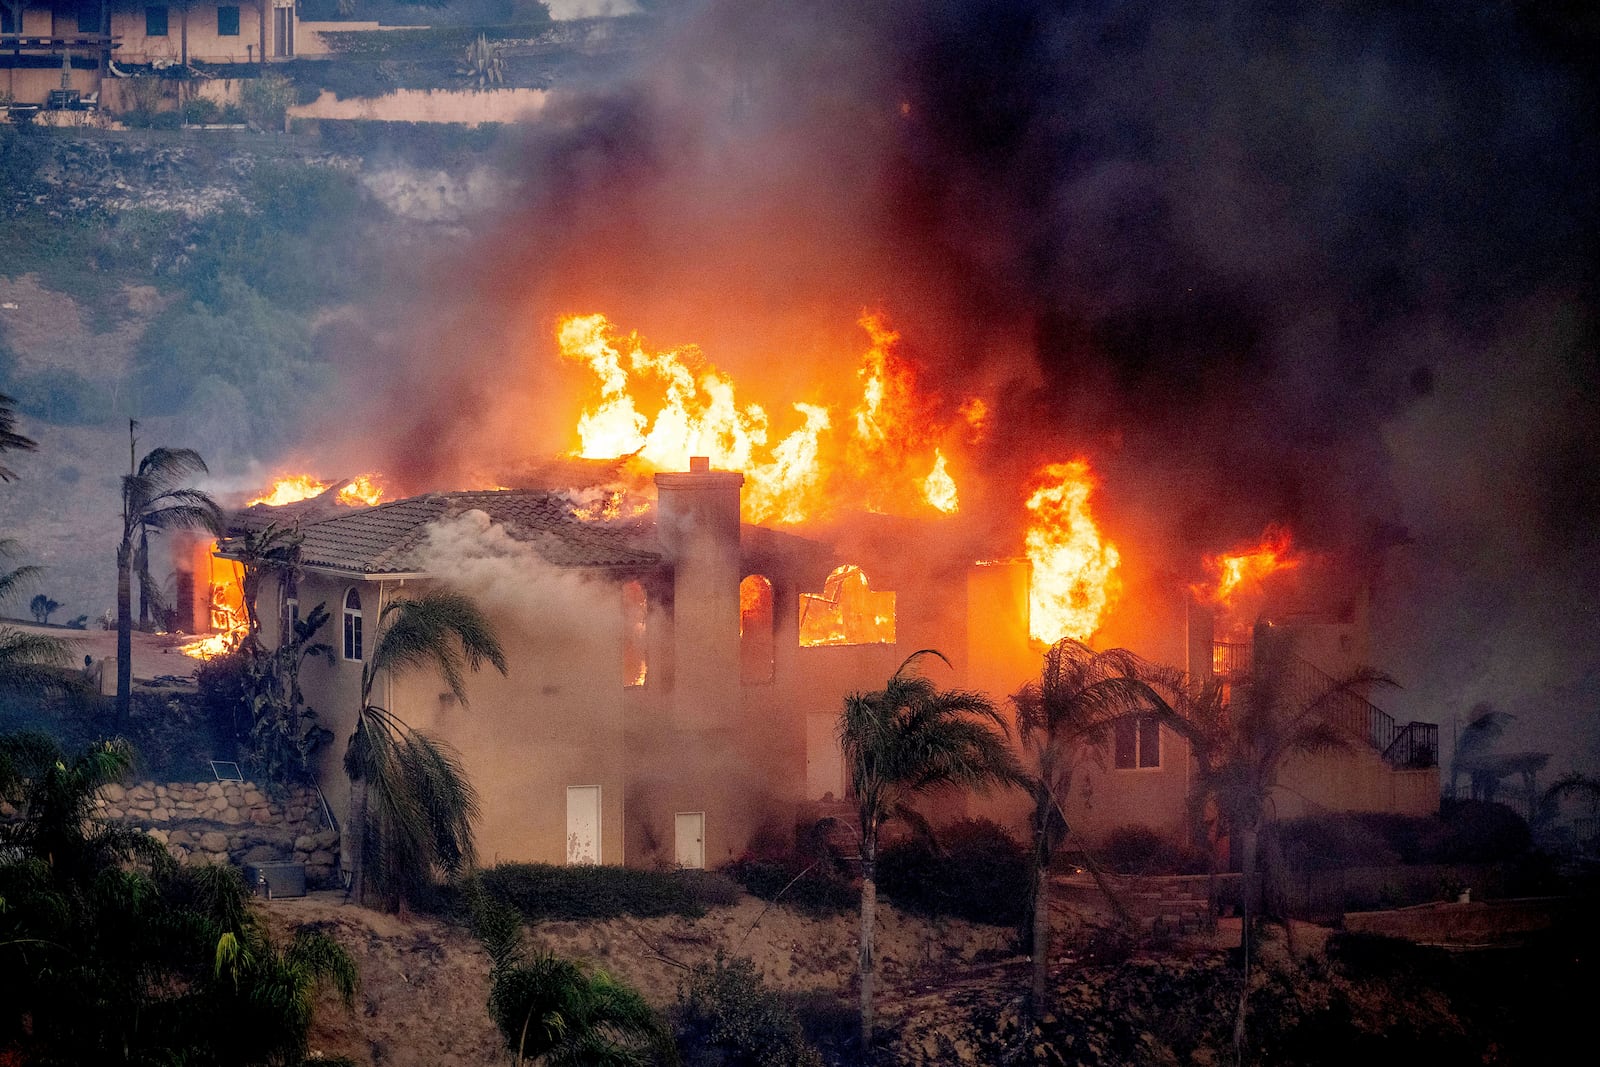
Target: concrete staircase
1161	905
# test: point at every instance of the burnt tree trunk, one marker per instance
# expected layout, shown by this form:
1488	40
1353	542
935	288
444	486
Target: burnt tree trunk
869	909
356	832
124	632
1041	935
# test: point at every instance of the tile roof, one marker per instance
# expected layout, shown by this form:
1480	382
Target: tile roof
386	539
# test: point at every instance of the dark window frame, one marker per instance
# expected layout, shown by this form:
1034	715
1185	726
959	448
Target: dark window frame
223	26
353	627
157	20
1136	743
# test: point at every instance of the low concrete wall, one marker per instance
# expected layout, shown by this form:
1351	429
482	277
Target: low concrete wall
1488	923
230	822
466	106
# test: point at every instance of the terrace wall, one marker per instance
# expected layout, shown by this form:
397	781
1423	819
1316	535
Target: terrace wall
230	822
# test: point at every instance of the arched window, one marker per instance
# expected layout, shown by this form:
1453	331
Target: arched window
352	625
757	642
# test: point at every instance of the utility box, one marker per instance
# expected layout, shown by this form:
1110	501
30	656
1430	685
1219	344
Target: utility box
272	880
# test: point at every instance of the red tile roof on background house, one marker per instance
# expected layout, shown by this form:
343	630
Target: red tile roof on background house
388	538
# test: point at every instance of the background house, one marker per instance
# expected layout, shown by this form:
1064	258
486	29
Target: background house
45	43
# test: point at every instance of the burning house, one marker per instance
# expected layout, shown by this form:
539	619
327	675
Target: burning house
676	672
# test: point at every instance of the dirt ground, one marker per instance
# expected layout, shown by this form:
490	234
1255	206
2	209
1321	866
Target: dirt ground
425	984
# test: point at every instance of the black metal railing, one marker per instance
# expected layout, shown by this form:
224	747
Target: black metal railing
1411	746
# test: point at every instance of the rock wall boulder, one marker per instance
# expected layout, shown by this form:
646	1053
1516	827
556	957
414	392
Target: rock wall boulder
230	822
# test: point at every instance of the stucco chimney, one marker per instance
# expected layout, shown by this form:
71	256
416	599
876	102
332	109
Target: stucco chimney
697	523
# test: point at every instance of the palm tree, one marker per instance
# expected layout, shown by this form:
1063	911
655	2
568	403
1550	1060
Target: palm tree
554	1011
153	498
411	804
12	581
900	742
1064	715
1241	740
10	439
110	952
28	660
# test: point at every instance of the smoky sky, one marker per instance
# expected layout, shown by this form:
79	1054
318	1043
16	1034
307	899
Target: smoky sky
1327	264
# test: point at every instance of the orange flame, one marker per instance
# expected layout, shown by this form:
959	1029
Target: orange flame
976	414
1074	571
848	611
228	619
289	489
663	407
363	489
938	487
1252	565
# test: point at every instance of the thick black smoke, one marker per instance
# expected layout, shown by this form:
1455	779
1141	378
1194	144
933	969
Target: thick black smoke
1329	264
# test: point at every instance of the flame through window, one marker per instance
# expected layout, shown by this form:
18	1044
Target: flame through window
848	611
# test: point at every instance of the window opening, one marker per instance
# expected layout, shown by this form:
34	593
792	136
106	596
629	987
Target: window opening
1137	742
635	651
848	611
352	625
757	639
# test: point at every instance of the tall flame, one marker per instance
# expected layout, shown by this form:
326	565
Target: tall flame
1074	571
289	489
938	487
1252	565
362	490
664	407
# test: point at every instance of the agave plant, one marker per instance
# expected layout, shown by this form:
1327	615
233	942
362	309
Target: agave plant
483	66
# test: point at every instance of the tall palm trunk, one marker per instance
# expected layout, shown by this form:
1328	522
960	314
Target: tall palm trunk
869	910
1249	888
124	634
356	840
1041	933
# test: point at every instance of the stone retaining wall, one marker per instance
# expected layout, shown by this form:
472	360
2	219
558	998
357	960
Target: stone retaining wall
230	822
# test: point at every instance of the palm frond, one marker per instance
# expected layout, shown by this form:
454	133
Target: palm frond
439	629
35	661
163	466
10	439
16	579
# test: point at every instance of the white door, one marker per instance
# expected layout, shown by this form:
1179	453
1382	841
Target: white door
583	824
690	831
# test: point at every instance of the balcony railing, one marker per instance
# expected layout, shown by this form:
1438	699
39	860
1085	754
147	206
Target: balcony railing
1411	746
55	44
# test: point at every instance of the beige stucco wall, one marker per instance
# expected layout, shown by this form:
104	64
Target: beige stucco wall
465	106
205	44
555	720
1354	780
32	85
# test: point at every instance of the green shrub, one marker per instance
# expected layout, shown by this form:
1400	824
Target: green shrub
541	891
1138	849
726	1015
811	886
975	870
201	111
711	889
1325	842
1481	831
266	100
1407	836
